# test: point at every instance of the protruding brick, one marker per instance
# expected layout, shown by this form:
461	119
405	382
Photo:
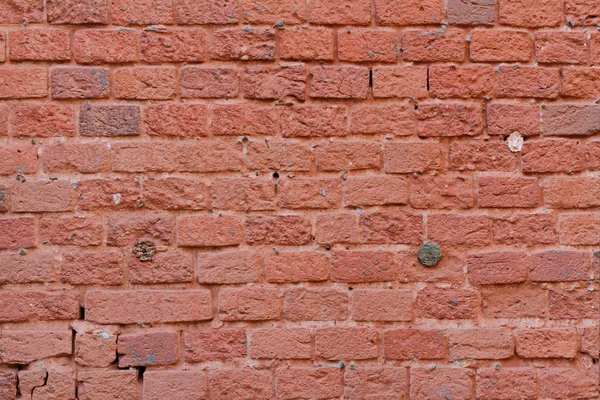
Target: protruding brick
148	349
214	344
22	83
249	304
561	47
229	267
134	306
209	82
39	45
26	346
93	385
242	44
109	120
25	305
106	46
97	348
43	120
547	343
559	265
580	82
433	46
500	45
504	119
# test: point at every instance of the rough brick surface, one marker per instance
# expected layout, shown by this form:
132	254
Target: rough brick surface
227	199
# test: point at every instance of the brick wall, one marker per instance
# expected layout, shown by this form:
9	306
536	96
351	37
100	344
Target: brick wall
224	199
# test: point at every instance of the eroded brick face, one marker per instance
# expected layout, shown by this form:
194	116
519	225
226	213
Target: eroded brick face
225	199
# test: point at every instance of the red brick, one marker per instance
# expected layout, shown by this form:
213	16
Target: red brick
477	12
306	43
274	81
339	82
514	302
573	304
579	229
316	304
277	154
283	344
249	304
570	119
4	111
433	46
26	346
346	343
59	383
553	156
368	45
450	268
575	192
109	120
181	385
442	192
530	13
17	233
148	349
345	12
338	228
507	192
108	194
209	82
42	196
299	266
214	344
520	81
243	194
145	83
165	267
471	230
205	231
22	83
398	119
478	155
181	120
71	231
412	12
209	156
142	157
593	150
447	303
382	305
106	46
580	82
391	227
243	119
25	305
484	344
313	121
561	47
378	382
497	268
559	265
500	46
404	81
77	11
228	267
364	266
547	343
26	11
135	306
581	12
36	267
408	344
3	38
367	190
18	159
39	45
124	231
430	383
141	12
192	12
42	120
312	193
243	44
97	348
79	83
506	383
450	119
568	383
84	158
464	82
590	341
93	385
408	157
271	11
292	230
3	198
595	48
97	268
247	383
309	383
343	156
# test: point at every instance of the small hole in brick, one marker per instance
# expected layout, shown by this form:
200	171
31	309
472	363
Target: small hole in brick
275	175
82	313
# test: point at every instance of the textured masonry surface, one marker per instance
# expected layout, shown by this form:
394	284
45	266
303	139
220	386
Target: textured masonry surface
224	199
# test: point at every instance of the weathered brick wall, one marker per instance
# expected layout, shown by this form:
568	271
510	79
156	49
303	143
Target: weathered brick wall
224	199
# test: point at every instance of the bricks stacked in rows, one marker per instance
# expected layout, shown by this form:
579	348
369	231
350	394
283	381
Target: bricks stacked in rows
287	159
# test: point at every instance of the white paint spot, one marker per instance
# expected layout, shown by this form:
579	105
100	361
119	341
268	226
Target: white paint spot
116	198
